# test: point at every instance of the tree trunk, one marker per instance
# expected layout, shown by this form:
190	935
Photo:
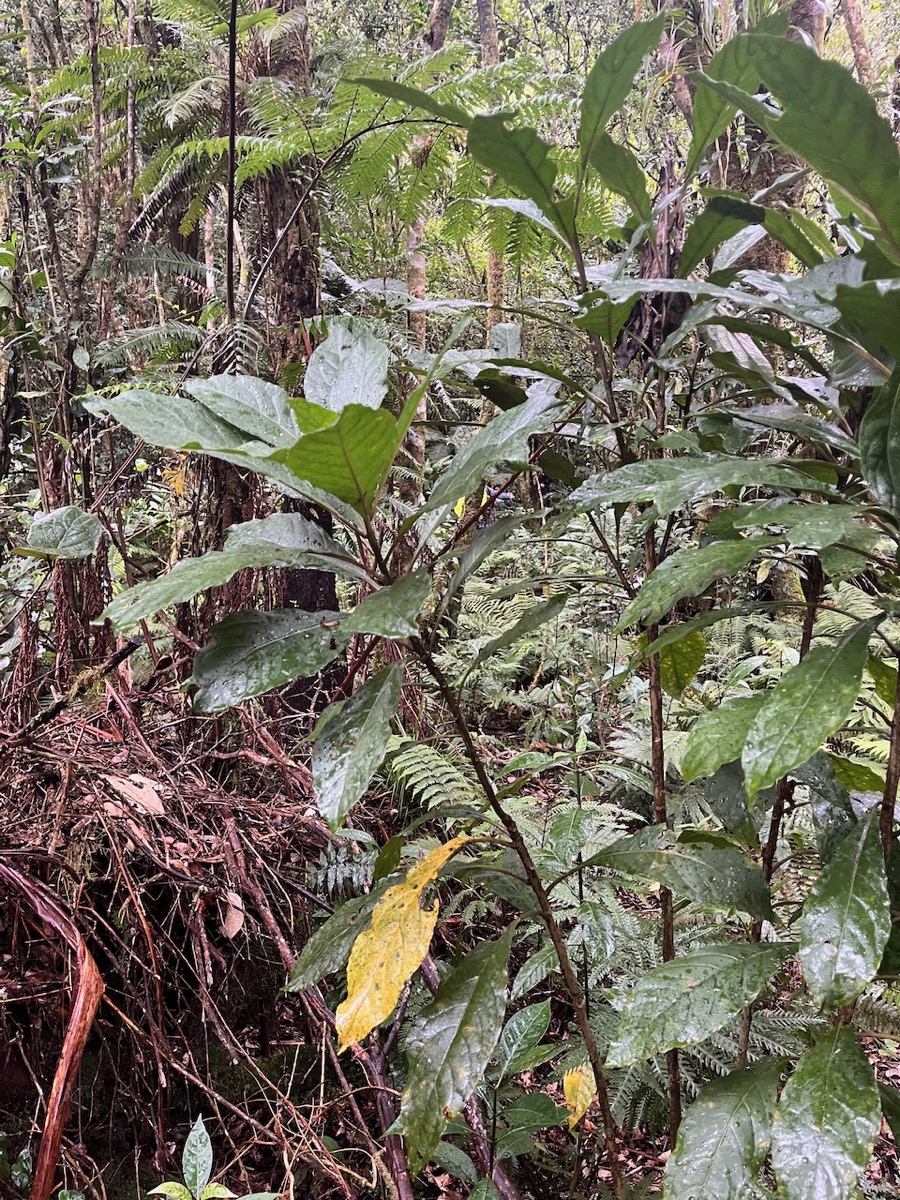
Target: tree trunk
862	55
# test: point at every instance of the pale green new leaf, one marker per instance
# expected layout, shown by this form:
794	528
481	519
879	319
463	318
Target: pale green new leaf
724	1137
252	652
717	736
826	1121
686	1000
349	459
68	533
450	1045
846	919
349	367
197	1158
687	572
808	704
352	745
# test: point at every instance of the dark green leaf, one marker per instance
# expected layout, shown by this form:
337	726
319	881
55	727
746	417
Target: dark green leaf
349	367
727	800
722	218
724	1137
67	533
884	677
523	159
504	440
197	1158
831	122
328	949
829	801
349	459
670	483
871	315
450	1044
484	1189
621	173
521	1033
826	1121
890	1107
393	611
808	704
685	1001
456	1161
442	109
846	919
687	572
388	857
699	870
712	112
251	652
283	540
606	319
717	736
680	662
352	746
879	445
610	79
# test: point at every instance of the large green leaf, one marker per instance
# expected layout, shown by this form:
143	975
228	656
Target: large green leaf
831	122
328	949
349	459
829	802
67	533
717	737
282	540
260	410
808	704
669	483
700	869
349	367
846	919
688	572
712	112
450	1045
879	445
724	1137
686	1000
251	652
352	745
503	441
522	158
621	172
609	80
393	611
826	1121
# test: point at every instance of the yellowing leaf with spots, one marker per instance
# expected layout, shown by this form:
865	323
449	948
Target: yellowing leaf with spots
386	954
579	1091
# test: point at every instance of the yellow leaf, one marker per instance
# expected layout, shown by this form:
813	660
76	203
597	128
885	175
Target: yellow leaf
385	955
579	1091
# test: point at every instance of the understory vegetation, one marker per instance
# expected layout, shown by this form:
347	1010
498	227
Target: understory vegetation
449	609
